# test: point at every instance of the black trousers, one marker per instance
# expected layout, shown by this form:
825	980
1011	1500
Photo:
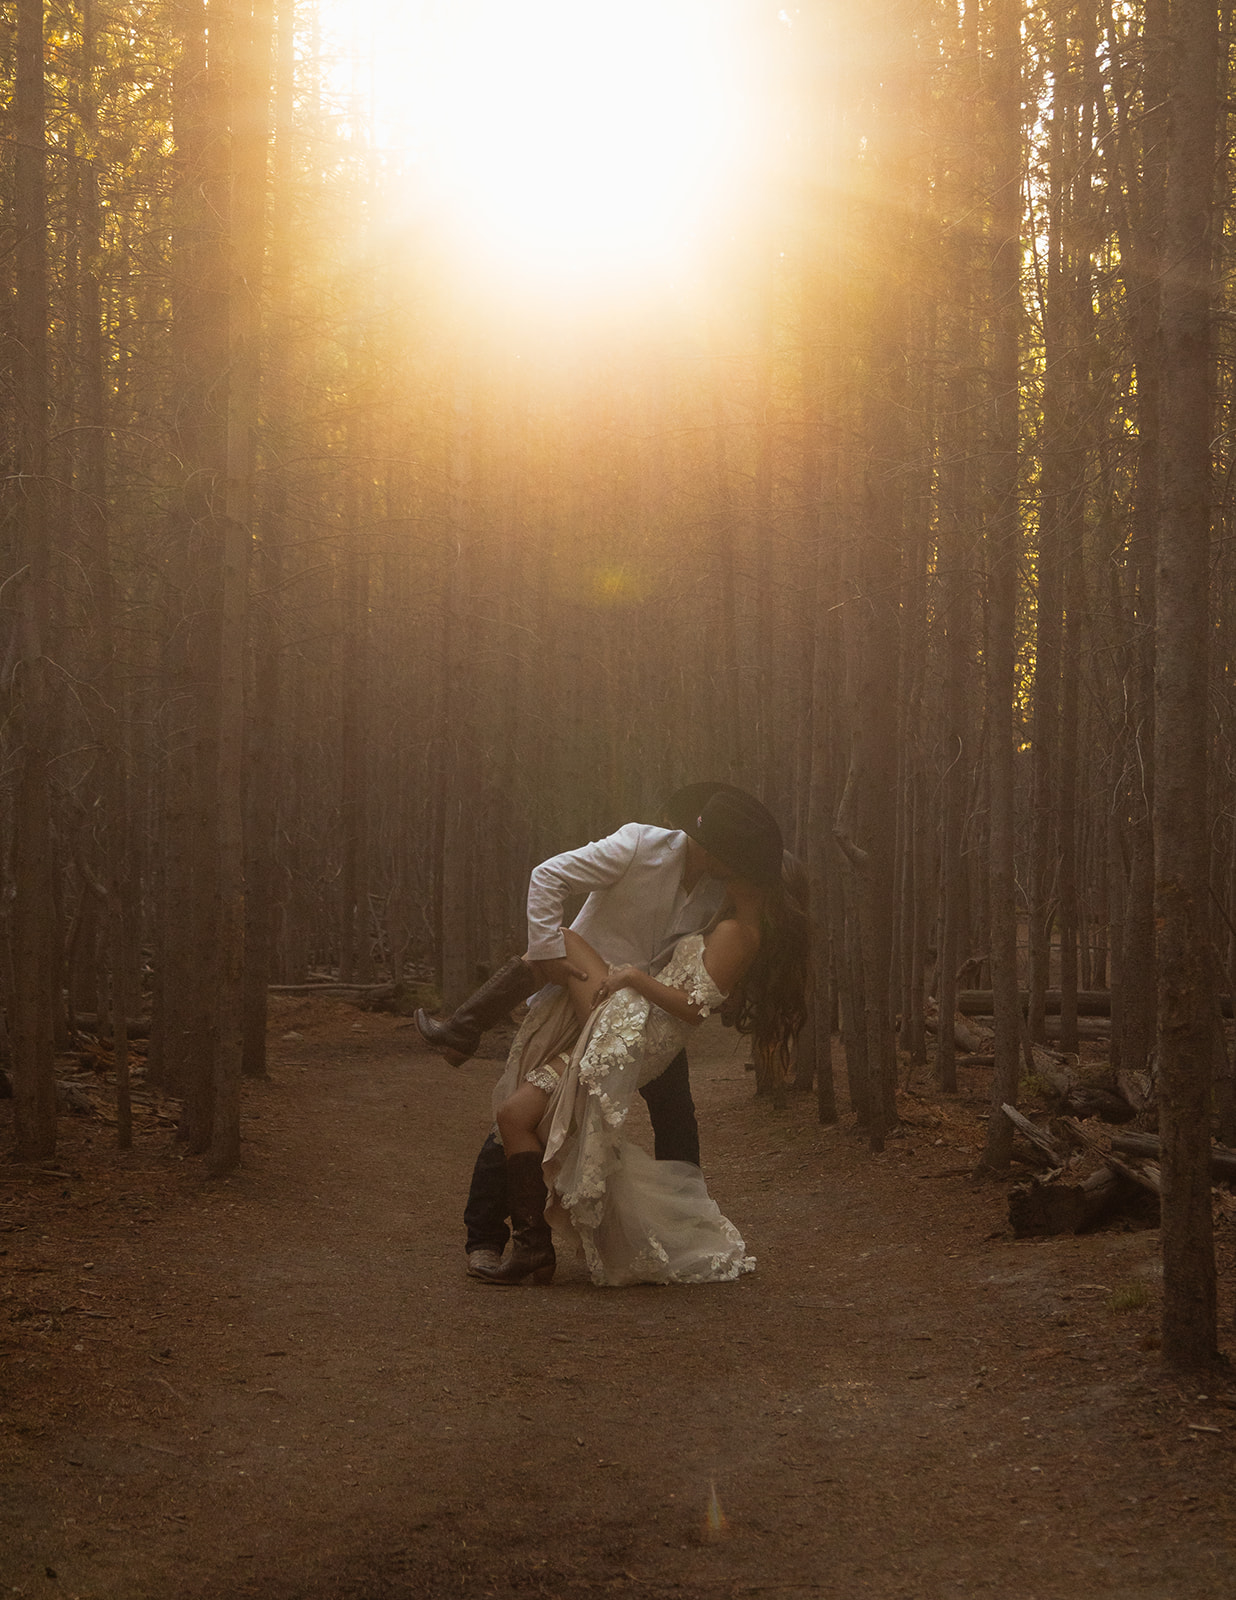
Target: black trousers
675	1137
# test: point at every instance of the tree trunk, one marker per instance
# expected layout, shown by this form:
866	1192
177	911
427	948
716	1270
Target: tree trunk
201	883
1185	1039
1002	558
93	512
1140	240
1057	453
251	95
871	824
30	919
455	741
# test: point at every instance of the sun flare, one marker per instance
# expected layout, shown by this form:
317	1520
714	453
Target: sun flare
569	140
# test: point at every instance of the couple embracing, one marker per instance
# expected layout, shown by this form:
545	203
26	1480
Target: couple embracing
679	921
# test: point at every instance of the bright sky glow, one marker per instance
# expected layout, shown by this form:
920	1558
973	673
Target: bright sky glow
569	140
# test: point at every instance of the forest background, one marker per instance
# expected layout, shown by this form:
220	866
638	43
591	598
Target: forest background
335	590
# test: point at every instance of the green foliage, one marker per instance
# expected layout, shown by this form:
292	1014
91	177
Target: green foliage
1131	1296
414	996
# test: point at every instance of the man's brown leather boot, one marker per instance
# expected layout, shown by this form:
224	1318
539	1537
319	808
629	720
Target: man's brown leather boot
456	1037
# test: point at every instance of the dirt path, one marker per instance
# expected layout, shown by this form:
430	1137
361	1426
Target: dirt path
284	1385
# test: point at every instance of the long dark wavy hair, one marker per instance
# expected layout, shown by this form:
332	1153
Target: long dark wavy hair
770	1002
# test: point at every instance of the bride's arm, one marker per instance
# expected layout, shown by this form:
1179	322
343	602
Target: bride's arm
728	951
660	994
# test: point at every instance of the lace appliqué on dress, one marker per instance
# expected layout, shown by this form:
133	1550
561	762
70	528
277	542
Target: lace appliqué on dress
685	970
632	1042
615	1050
630	1034
638	1220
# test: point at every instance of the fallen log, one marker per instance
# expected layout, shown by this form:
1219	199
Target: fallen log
1090	1100
72	1097
101	1027
1090	1002
1138	1088
335	991
1043	1206
69	1096
1142	1171
1082	1094
964	1037
1092	1028
1069	1199
1038	1137
1222	1160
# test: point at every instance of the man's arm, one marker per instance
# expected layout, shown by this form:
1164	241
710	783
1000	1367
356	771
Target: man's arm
573	872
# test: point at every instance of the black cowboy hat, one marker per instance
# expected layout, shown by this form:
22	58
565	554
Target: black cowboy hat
741	833
684	806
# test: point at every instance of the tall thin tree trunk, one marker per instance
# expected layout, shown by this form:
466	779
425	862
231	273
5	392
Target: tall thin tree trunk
1002	557
456	777
957	609
878	567
1182	910
250	137
1057	453
201	882
30	917
94	513
1141	140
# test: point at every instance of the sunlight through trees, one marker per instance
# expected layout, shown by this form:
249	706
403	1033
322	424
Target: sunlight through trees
435	433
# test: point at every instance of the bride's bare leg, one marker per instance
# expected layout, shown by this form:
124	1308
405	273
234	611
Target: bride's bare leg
583	990
518	1119
520	1115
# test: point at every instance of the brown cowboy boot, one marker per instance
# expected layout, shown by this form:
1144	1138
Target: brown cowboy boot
457	1037
532	1241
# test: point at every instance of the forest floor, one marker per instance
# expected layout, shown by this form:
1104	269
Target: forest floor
282	1384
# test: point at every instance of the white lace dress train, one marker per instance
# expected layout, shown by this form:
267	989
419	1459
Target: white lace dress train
636	1220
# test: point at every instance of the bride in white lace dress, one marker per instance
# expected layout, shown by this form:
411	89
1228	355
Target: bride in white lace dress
579	1058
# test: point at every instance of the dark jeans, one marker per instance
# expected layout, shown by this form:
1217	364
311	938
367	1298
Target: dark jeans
675	1137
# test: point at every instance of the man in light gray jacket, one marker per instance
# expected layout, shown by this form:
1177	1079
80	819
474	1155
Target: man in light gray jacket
647	887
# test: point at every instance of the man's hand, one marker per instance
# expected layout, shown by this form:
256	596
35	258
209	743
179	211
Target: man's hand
557	970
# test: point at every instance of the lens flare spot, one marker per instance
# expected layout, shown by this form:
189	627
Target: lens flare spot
617	586
716	1524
